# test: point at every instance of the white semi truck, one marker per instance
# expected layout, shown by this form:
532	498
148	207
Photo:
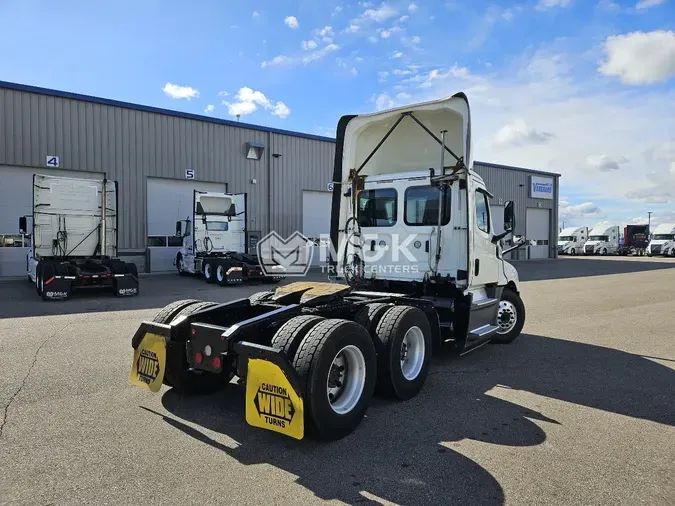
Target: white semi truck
214	241
603	240
417	266
74	238
571	240
662	241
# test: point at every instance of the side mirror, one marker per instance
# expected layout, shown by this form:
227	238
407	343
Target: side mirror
179	229
22	225
509	217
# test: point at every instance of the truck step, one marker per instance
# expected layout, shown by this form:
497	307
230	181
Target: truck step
484	331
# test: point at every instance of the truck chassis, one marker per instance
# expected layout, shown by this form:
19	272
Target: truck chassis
311	355
224	268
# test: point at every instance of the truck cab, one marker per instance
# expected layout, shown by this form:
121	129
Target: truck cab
571	240
602	240
663	240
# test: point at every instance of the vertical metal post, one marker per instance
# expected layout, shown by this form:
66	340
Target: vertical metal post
440	205
104	205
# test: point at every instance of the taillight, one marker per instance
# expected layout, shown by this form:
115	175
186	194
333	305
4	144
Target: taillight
216	362
198	357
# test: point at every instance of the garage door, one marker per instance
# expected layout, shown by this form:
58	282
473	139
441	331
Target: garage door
168	201
538	229
316	215
16	200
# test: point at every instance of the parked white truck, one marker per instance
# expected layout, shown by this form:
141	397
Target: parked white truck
662	241
74	238
312	354
214	241
603	240
571	240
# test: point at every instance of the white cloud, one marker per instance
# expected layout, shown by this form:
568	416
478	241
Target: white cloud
292	22
403	19
647	4
412	8
337	10
210	108
358	59
584	211
223	93
383	101
308	57
281	110
372	39
379	15
255	14
609	5
319	54
519	133
354	71
353	28
416	39
248	100
177	91
397	54
327	31
386	33
605	163
277	61
403	96
639	57
308	45
383	75
544	5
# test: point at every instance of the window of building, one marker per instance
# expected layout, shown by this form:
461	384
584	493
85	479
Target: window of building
482	212
421	206
377	208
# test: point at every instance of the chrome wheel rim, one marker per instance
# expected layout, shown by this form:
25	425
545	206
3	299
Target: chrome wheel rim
412	353
220	273
507	316
346	379
207	271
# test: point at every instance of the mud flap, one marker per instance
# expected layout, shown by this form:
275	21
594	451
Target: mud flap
149	363
58	288
234	276
273	398
125	285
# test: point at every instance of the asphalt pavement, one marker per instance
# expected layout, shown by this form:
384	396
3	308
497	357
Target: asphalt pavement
578	410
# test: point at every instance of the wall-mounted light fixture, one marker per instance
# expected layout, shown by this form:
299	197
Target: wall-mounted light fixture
254	150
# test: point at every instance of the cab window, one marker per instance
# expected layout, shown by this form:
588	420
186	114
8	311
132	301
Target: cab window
421	206
482	212
377	208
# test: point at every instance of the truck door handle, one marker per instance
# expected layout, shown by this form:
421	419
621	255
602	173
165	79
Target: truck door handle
426	247
372	245
477	268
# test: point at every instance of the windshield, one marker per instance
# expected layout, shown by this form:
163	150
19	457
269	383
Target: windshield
603	238
377	208
217	226
664	237
566	238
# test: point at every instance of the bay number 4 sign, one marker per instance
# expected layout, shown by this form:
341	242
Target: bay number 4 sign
53	161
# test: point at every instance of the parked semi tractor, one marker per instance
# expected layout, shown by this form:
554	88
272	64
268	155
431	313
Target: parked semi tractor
603	240
635	240
662	241
74	238
312	354
214	241
571	240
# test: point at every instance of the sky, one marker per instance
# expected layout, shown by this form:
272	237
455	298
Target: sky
583	88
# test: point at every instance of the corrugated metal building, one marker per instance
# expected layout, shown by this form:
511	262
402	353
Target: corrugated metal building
159	156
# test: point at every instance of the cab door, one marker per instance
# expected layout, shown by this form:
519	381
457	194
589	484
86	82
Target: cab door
237	224
484	263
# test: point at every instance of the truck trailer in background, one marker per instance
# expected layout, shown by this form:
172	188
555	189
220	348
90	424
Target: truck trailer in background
603	240
74	238
635	240
571	240
662	241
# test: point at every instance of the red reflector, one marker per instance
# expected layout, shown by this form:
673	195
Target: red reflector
216	362
198	358
194	331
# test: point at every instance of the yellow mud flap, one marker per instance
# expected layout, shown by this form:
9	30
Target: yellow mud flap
147	369
271	402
